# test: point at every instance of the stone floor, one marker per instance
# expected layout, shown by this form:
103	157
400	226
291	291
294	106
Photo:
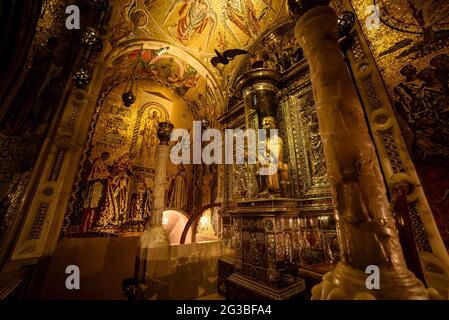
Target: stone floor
215	296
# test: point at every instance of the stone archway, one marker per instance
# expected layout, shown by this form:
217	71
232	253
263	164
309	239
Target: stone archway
174	222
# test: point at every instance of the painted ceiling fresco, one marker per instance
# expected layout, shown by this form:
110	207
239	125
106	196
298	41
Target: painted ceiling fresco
411	48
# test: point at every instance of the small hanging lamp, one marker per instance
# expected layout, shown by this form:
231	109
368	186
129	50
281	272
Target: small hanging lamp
128	97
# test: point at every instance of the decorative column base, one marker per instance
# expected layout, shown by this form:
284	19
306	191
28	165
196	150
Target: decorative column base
346	283
153	247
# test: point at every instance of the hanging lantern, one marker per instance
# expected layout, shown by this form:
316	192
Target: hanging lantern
346	21
90	39
82	78
128	98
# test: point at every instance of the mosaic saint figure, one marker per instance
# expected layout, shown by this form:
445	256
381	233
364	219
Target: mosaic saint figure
194	17
406	92
97	177
149	140
117	194
178	190
140	201
421	103
206	187
441	65
243	14
125	26
428	13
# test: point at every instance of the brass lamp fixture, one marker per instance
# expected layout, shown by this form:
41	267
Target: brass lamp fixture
82	78
90	40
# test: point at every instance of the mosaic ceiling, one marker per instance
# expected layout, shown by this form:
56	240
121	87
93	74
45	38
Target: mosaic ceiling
193	29
203	25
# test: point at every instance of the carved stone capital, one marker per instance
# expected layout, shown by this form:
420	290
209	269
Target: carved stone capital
164	132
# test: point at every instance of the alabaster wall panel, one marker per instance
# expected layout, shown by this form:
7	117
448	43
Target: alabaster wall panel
182	272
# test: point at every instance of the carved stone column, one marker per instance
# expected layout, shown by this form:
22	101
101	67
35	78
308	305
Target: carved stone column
367	232
154	234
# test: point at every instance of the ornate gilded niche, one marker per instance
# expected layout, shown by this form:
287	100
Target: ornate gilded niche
303	151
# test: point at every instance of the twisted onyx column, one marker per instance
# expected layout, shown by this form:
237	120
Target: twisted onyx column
155	235
365	223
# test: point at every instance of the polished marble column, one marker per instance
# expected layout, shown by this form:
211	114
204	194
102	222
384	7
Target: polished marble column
365	223
154	234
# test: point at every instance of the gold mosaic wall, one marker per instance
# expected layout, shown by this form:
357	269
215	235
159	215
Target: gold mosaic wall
115	180
409	40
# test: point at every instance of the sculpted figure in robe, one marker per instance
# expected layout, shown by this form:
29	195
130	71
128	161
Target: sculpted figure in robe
316	147
270	184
